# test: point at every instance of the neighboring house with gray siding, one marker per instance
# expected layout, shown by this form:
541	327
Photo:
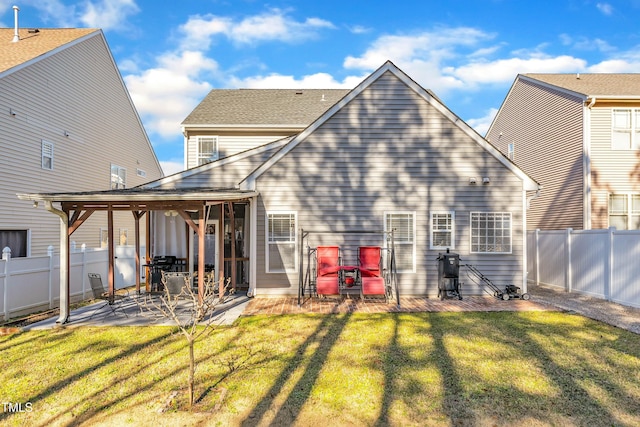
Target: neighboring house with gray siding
387	155
579	136
66	122
229	121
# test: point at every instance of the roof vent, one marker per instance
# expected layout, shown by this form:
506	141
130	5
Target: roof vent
299	92
322	100
578	76
16	36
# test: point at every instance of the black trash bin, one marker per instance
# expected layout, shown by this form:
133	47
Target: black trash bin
448	275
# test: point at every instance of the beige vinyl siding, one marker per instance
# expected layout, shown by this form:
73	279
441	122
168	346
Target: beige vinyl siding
230	143
612	171
388	150
77	90
546	128
227	175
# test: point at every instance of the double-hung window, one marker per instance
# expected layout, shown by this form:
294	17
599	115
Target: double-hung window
47	155
625	129
442	230
281	242
118	177
403	225
207	149
624	211
491	232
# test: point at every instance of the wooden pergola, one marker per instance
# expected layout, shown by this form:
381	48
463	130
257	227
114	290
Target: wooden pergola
192	204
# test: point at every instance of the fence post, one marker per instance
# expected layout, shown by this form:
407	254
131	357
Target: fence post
567	261
83	248
537	257
609	265
6	256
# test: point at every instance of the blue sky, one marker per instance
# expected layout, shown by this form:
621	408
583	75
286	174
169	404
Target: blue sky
171	54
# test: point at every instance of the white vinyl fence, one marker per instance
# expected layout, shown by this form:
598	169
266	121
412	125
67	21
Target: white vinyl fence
32	284
599	263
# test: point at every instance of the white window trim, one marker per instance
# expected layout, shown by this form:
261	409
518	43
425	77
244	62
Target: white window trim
47	146
511	149
629	213
634	143
471	233
200	159
104	243
111	181
122	231
415	238
267	243
452	231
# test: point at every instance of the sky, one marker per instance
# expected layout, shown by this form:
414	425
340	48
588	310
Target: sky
172	53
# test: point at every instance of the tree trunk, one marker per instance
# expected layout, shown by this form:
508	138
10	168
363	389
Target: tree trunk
192	369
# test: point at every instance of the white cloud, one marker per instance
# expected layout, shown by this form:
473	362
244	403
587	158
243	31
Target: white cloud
481	124
434	45
605	8
165	95
274	25
104	14
359	29
583	43
422	55
108	14
505	70
169	167
622	65
280	81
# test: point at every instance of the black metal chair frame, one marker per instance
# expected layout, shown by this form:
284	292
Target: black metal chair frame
100	293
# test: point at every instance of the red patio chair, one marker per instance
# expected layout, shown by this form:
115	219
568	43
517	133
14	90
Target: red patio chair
328	266
370	260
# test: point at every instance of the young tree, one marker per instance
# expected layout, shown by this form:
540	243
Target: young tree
191	312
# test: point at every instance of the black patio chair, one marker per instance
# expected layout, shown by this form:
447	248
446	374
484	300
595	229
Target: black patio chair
114	301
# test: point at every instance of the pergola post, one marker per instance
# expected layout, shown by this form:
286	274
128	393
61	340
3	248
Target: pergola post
201	252
111	253
65	270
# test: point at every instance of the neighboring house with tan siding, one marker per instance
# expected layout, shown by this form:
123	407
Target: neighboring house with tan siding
386	155
579	136
66	122
229	121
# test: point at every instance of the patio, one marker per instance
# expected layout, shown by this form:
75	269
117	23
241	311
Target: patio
138	311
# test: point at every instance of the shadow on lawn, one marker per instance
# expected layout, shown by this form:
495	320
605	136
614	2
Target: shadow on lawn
576	402
325	337
181	364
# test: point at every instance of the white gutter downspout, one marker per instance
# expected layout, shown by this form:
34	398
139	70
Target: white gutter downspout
586	165
64	262
525	252
253	246
16	35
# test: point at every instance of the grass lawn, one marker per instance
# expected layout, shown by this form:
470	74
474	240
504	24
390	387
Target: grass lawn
448	369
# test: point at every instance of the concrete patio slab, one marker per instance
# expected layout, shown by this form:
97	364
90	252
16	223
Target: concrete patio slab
139	311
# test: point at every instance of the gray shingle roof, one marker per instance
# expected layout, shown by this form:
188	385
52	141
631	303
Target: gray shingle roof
604	84
264	106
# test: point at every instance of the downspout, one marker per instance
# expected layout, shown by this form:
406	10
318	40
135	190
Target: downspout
586	165
535	196
525	252
64	261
